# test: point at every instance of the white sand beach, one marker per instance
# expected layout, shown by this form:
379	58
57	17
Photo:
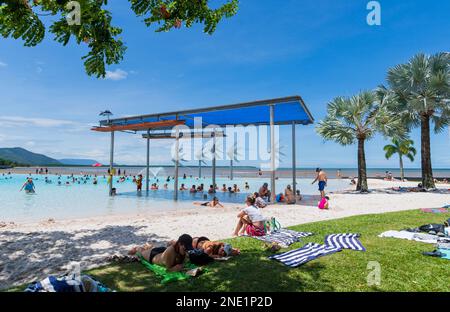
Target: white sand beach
30	251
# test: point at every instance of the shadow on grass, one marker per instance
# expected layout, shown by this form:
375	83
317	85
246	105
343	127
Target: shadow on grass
27	257
252	271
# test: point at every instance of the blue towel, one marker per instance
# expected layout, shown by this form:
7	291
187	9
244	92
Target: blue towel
283	237
344	241
310	251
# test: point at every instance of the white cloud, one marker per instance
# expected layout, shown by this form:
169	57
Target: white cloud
118	74
2	64
17	121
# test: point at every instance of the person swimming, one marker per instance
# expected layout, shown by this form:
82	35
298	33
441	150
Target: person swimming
214	203
28	186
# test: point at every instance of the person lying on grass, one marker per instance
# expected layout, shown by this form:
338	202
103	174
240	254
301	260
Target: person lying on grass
250	215
172	257
214	203
214	249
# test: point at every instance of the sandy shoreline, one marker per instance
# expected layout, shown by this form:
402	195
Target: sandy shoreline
30	251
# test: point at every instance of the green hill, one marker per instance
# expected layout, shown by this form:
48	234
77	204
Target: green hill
22	156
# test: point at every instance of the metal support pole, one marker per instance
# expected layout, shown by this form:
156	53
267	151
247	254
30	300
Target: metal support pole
147	182
294	165
214	161
231	169
177	147
272	152
111	164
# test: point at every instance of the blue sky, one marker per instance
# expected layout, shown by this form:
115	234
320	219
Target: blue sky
317	49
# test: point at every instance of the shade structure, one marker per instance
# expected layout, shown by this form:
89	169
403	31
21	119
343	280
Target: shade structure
286	110
279	111
140	126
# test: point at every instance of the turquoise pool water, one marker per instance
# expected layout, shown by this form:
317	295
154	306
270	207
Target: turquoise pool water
84	199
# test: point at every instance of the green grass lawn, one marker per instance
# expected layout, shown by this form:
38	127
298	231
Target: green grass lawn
403	267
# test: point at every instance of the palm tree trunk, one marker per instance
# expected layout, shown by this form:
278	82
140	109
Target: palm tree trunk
199	169
402	174
427	171
231	169
362	170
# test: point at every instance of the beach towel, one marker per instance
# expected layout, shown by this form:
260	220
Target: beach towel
283	237
344	241
67	283
310	251
419	237
252	230
435	210
167	276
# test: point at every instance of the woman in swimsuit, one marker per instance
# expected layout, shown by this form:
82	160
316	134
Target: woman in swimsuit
172	257
28	186
214	203
214	249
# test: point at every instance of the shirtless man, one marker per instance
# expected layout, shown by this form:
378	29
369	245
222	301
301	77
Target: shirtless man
172	257
322	178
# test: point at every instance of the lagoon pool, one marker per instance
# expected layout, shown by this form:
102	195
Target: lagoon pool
80	199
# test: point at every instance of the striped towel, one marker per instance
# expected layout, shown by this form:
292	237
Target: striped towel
283	237
345	241
300	256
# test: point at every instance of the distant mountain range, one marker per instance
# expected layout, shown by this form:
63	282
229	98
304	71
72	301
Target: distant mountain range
22	156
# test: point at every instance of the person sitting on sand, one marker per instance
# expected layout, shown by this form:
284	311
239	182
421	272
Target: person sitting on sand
28	186
172	257
214	203
264	192
259	202
289	195
250	215
214	249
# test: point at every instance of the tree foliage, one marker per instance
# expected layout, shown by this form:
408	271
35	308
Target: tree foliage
423	89
402	148
24	19
360	117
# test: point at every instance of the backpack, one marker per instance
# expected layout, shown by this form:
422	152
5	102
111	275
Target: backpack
199	257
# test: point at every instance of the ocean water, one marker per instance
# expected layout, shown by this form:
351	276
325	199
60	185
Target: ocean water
88	200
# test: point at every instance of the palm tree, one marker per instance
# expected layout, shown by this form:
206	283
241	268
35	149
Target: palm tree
423	87
402	148
357	119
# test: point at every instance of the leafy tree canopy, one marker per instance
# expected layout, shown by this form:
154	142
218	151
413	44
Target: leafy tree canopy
23	19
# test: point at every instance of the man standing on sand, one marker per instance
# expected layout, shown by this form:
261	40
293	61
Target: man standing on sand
322	178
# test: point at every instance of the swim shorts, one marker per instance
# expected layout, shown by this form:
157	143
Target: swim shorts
322	185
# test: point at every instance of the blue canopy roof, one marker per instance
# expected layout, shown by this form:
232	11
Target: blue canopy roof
287	110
